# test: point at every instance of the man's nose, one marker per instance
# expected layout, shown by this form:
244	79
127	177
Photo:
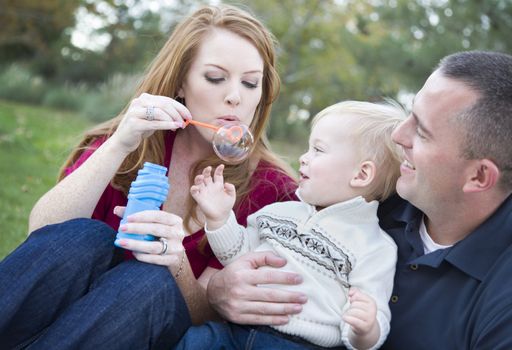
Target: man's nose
401	133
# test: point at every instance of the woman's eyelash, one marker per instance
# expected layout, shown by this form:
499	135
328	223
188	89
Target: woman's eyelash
247	84
250	85
213	80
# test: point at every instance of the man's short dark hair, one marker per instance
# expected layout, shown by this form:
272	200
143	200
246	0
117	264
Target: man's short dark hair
487	124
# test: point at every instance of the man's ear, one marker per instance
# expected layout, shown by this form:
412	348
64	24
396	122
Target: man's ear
483	175
365	175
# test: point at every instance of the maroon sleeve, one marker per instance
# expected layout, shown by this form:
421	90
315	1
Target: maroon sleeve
268	185
102	210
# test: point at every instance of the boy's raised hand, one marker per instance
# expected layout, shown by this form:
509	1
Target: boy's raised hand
214	197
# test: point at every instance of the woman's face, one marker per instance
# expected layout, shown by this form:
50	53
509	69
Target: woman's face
224	83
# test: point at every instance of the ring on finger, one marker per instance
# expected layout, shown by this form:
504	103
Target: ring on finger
150	113
164	245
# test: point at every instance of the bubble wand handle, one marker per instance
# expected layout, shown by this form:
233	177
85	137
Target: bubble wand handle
197	123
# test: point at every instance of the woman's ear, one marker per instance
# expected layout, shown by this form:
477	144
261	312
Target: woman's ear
364	175
483	175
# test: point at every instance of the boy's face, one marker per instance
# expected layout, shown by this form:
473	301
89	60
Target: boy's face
330	162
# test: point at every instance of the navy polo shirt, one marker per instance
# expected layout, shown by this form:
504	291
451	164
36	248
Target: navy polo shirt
454	298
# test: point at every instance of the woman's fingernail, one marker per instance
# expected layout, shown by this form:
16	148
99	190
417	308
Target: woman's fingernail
120	243
122	227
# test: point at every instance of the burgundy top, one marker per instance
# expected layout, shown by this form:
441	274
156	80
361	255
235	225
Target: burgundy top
268	185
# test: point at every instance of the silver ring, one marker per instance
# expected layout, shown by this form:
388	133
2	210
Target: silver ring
150	113
164	245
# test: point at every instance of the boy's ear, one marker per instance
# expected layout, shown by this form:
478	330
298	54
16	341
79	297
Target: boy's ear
483	175
364	175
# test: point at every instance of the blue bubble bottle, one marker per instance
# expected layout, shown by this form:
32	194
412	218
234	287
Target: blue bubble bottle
147	192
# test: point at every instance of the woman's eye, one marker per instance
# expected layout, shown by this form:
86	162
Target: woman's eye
250	85
214	80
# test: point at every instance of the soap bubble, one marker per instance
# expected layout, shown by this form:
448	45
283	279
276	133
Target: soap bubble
233	143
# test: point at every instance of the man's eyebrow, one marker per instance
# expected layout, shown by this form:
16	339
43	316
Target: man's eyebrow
421	125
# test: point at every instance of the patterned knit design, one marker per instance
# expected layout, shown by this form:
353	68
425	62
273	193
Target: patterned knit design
313	245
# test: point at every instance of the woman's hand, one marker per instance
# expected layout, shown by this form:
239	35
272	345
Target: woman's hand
146	114
161	225
238	291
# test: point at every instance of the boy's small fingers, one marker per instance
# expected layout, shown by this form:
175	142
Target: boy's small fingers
229	188
218	174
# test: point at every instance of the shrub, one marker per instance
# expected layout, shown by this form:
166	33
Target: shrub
68	97
18	84
109	98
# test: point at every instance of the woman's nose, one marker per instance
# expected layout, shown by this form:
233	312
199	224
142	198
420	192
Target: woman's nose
233	97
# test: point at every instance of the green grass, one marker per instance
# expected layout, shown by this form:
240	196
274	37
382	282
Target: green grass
34	142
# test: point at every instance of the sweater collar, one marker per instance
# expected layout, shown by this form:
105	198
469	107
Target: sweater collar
354	205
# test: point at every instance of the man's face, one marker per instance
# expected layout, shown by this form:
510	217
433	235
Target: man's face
434	170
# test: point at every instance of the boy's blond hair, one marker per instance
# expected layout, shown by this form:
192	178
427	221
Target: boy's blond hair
372	136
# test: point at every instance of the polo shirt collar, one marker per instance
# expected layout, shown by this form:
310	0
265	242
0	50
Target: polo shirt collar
475	254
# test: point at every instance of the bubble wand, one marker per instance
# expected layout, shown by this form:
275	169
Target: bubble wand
231	143
234	132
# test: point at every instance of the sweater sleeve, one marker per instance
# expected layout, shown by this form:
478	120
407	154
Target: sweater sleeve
232	240
373	275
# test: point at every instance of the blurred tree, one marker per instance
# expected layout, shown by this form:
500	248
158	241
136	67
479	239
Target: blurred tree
33	29
418	33
135	33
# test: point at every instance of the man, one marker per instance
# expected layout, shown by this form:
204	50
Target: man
453	285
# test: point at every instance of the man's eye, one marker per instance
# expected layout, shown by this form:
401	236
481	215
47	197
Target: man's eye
419	133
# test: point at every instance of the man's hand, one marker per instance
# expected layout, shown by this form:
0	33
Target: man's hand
238	293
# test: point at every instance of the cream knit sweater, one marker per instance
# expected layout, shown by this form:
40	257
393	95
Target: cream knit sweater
336	248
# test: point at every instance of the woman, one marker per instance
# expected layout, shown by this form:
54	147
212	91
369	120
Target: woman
218	67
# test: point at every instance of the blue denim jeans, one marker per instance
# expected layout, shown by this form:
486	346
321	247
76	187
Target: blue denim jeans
67	287
227	336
